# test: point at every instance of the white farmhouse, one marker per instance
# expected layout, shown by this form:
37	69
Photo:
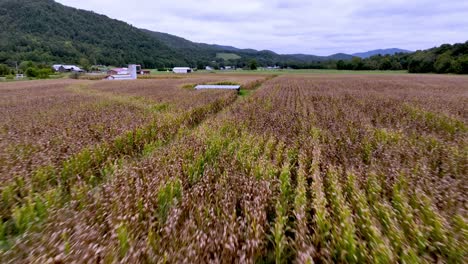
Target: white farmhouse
182	70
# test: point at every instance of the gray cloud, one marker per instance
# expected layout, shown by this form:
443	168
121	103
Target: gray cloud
297	26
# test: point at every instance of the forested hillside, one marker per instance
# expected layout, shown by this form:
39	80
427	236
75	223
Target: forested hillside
444	59
47	32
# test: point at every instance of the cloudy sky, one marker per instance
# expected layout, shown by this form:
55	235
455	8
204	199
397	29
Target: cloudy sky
297	26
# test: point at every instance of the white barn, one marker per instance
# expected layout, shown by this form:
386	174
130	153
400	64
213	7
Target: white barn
182	70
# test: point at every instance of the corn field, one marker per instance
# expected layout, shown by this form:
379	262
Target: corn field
304	169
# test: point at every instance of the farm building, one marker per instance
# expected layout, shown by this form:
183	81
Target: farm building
223	87
67	68
116	71
130	75
182	70
120	71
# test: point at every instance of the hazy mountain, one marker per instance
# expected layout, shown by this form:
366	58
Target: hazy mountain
371	53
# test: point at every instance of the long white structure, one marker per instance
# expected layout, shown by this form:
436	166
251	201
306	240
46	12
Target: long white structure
222	87
182	70
132	74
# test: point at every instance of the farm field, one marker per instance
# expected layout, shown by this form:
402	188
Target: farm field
306	168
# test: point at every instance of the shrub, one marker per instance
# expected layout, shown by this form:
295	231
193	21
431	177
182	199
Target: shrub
44	73
75	75
31	72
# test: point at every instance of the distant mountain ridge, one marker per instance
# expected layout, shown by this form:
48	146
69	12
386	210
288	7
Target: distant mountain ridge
194	49
382	52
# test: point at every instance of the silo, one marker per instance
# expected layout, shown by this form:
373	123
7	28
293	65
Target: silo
132	70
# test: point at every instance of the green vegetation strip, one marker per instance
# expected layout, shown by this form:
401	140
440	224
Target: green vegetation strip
437	121
135	101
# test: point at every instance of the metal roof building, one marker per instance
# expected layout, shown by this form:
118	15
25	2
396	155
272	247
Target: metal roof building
132	74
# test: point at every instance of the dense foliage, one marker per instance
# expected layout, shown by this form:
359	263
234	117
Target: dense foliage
444	59
44	31
5	70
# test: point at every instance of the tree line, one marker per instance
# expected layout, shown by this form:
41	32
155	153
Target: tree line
444	59
29	68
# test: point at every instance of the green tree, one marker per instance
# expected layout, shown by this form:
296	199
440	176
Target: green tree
32	72
386	64
341	65
4	70
462	65
421	62
201	65
85	64
443	63
253	65
25	65
357	64
396	66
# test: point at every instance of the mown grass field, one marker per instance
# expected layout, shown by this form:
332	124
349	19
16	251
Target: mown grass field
297	168
228	56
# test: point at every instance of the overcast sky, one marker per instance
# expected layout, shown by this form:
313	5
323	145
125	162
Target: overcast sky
297	26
